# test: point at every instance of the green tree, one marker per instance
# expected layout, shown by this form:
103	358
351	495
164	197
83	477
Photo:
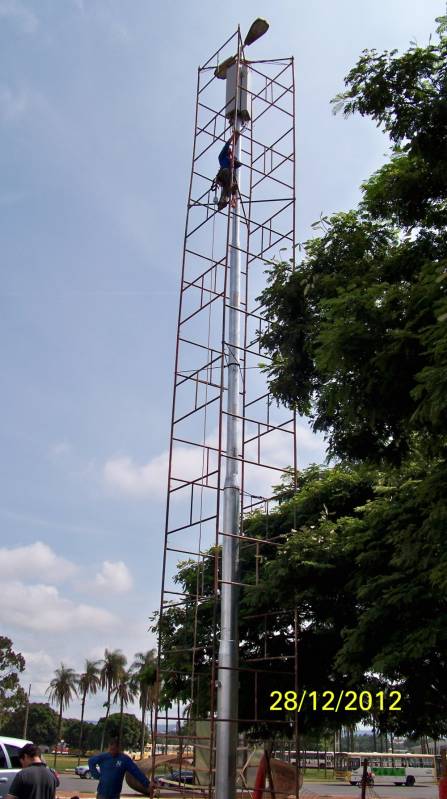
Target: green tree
326	602
61	690
358	340
75	736
400	631
358	333
42	723
371	612
112	667
89	682
11	665
144	668
130	731
125	692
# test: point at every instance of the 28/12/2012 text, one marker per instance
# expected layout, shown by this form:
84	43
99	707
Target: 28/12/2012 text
327	701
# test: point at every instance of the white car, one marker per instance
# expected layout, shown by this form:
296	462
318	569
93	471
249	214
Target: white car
83	772
9	761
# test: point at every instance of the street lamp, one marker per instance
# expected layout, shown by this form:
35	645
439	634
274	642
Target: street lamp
257	29
235	71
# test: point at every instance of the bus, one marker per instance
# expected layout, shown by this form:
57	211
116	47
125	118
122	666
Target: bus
320	759
386	769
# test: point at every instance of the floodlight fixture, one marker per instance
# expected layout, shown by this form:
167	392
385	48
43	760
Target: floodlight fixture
257	29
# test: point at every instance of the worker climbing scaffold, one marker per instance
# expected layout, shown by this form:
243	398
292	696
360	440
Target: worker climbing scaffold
226	176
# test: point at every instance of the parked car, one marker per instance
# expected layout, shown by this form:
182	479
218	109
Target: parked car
9	761
83	772
182	776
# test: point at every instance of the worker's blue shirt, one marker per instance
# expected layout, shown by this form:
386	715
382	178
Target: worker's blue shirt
224	157
111	773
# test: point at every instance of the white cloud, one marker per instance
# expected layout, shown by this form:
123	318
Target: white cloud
59	449
16	12
117	32
36	562
10	198
60	526
41	608
80	6
276	450
137	480
114	577
13	104
149	480
39	666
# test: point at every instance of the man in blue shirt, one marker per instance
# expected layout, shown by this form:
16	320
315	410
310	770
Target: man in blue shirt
226	176
112	768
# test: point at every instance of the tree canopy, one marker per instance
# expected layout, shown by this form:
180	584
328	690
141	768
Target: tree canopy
12	664
42	723
360	564
130	730
358	332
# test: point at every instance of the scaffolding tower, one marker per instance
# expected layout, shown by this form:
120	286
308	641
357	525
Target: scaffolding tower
224	422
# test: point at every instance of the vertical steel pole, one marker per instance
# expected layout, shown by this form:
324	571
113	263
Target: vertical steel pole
25	723
227	686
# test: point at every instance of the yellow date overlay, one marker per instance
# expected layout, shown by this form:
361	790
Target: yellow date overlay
341	701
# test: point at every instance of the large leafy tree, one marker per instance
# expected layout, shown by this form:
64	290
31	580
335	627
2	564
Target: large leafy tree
61	690
358	332
400	629
358	340
73	734
366	589
373	583
42	724
130	731
11	665
321	591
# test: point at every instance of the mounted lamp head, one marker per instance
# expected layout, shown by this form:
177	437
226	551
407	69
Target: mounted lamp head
257	29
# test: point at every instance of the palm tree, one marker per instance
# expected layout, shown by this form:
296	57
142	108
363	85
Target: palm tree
61	690
125	691
144	668
89	682
113	665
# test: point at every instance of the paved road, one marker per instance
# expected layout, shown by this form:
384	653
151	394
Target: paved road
344	789
75	786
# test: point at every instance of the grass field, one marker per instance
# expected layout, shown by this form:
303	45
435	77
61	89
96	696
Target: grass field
64	762
68	763
317	774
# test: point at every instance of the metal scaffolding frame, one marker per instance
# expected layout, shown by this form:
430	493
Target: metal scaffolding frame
198	455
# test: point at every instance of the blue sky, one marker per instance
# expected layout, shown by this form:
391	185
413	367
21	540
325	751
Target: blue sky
96	121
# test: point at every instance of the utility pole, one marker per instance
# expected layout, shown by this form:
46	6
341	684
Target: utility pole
236	73
25	722
227	694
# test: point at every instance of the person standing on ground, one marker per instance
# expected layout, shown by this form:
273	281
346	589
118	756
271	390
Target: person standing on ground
113	765
35	780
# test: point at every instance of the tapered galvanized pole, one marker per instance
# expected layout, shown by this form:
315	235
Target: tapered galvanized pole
227	691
